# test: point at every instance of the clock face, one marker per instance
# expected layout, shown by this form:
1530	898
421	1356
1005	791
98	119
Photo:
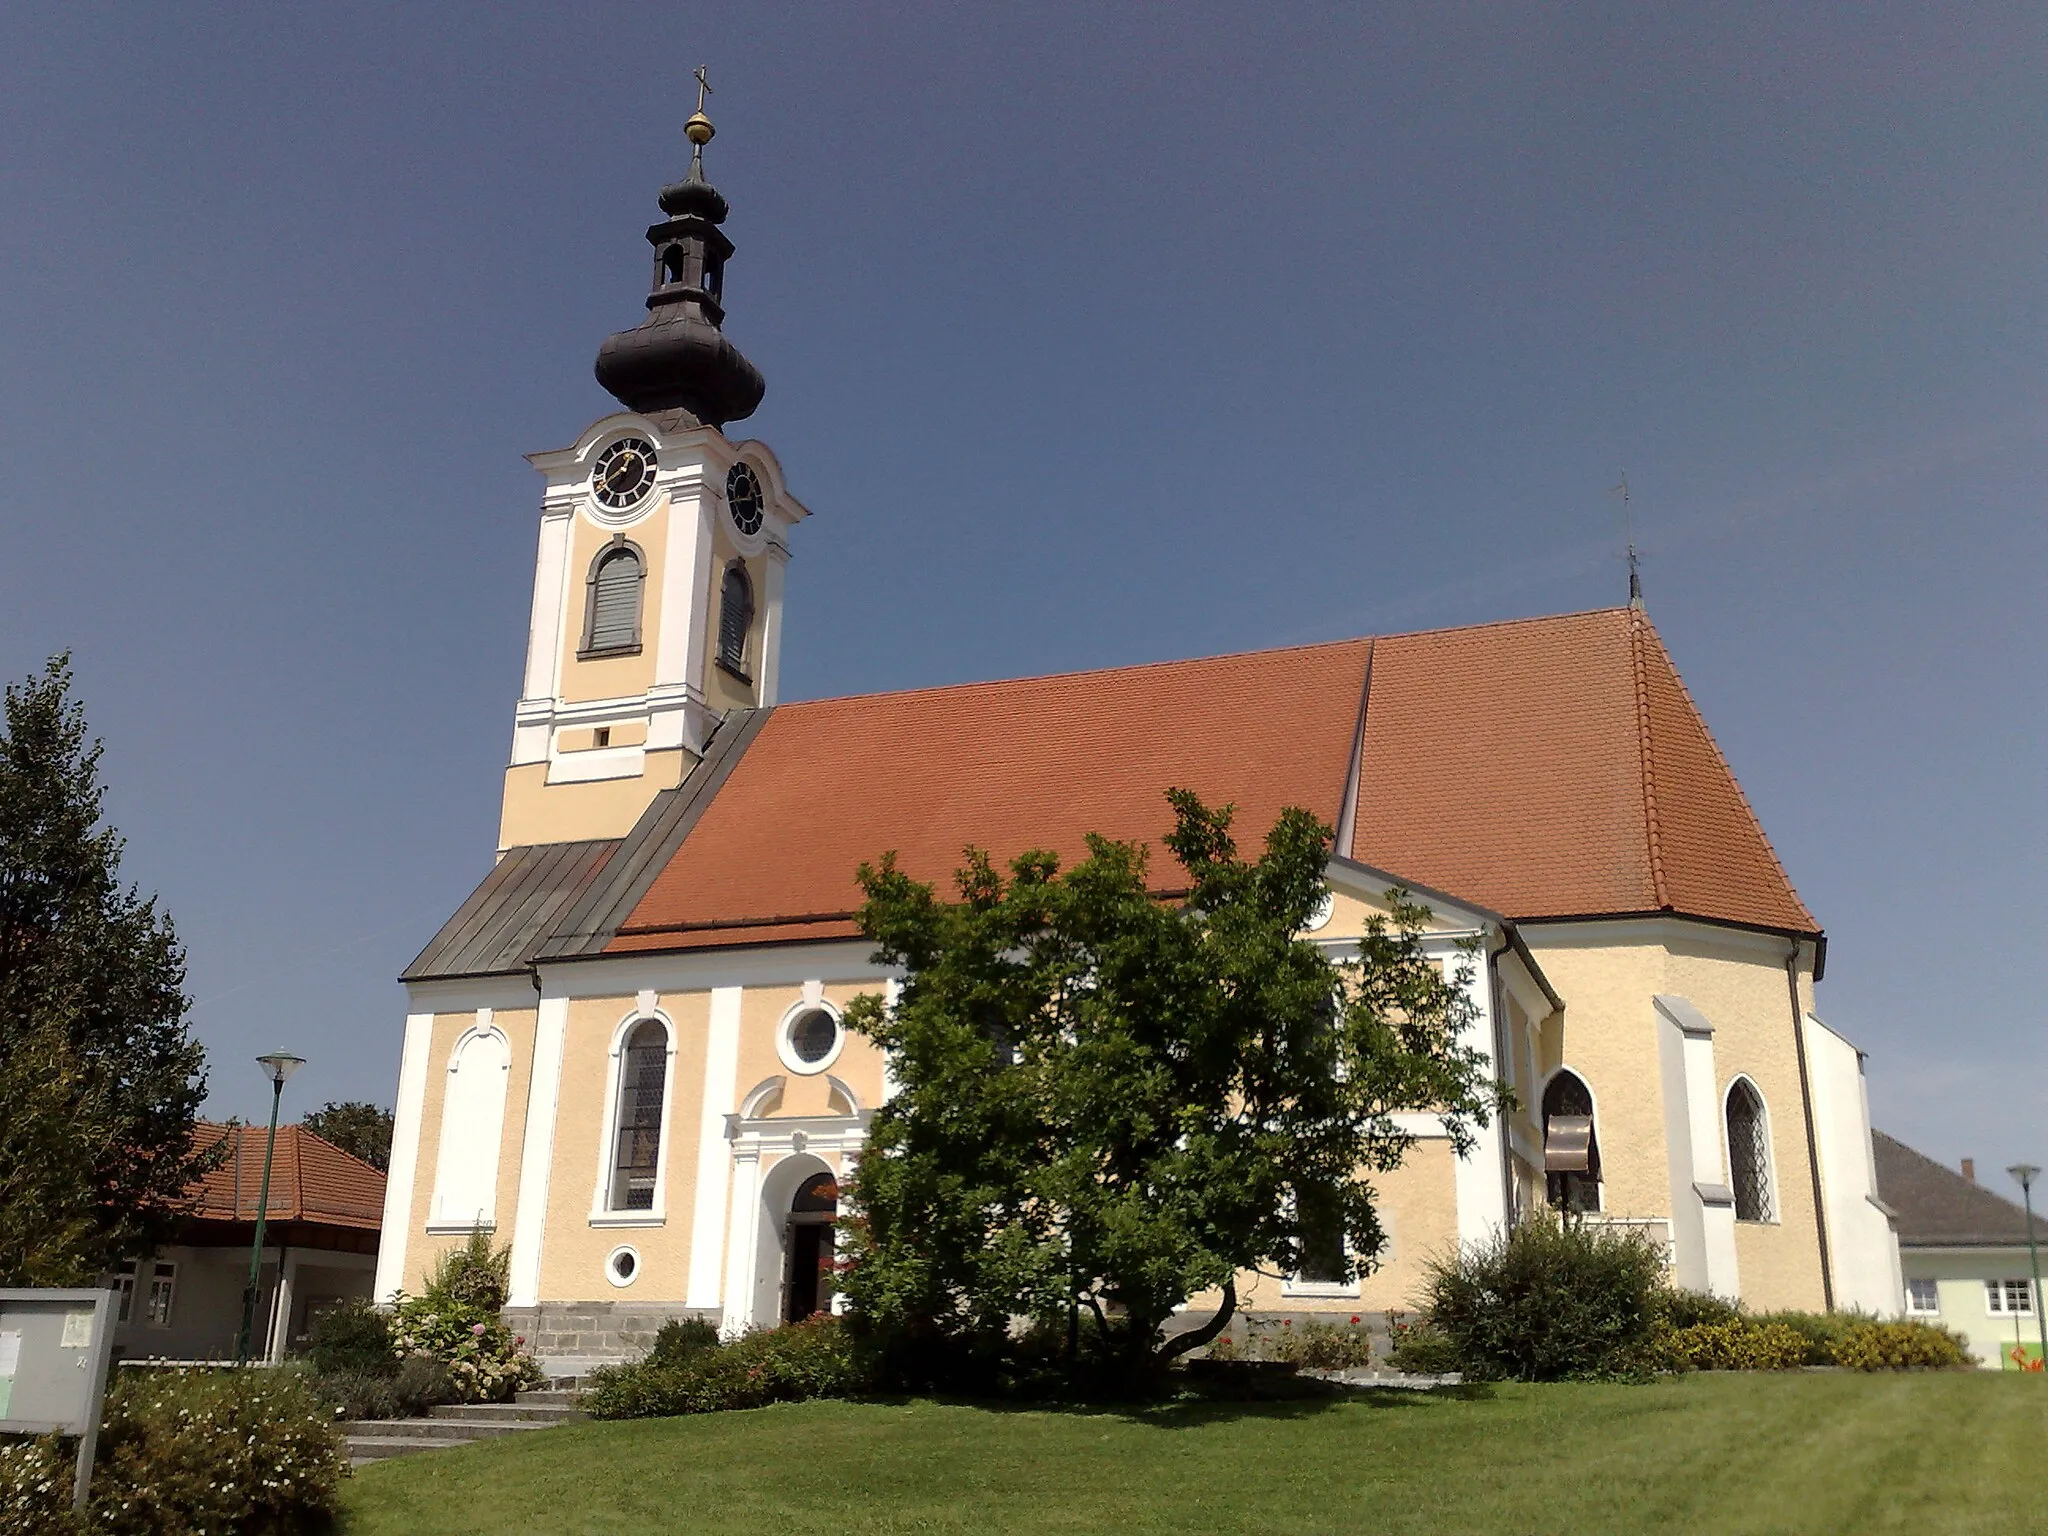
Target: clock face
625	474
743	498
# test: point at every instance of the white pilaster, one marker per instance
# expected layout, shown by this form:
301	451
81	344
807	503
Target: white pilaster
743	1238
770	666
537	1151
551	596
677	697
1477	1177
714	1155
405	1154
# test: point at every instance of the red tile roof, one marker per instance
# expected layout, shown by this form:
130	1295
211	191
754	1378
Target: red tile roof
310	1180
1548	767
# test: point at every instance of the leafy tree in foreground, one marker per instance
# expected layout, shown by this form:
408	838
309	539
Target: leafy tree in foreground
359	1129
100	1083
1116	1097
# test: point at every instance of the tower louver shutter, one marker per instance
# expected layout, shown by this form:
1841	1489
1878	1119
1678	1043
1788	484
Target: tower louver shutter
615	602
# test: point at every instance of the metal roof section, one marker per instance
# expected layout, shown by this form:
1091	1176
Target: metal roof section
590	923
518	904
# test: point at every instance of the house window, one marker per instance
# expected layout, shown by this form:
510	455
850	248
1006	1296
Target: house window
735	618
1923	1297
2009	1298
1571	1152
612	621
1749	1153
643	1084
1323	1260
124	1291
163	1286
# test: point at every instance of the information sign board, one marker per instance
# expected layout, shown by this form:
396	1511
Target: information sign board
55	1346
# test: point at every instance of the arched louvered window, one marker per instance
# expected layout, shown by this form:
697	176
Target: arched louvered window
1571	1152
643	1085
735	618
1749	1153
612	618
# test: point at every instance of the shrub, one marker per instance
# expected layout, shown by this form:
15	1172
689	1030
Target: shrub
1738	1344
417	1384
1821	1330
1868	1345
35	1489
1549	1301
354	1339
485	1363
815	1358
1422	1350
193	1453
681	1337
475	1276
1688	1309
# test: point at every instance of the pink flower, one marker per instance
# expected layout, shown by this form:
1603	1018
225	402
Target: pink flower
477	1329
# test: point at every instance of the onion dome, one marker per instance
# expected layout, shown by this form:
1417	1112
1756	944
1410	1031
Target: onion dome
678	357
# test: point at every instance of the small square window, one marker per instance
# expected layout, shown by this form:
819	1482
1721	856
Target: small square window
1923	1297
2009	1298
601	737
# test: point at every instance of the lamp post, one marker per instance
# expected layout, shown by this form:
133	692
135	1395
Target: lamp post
277	1066
2026	1173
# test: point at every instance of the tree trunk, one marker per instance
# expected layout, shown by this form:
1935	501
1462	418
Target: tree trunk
1195	1338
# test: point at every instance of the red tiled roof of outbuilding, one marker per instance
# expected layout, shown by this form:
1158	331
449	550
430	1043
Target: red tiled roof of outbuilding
310	1179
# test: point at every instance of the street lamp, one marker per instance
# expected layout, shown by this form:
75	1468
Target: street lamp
277	1066
2026	1173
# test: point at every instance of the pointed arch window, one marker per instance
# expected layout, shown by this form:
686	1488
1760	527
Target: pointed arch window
735	618
611	610
1571	1150
643	1090
1749	1153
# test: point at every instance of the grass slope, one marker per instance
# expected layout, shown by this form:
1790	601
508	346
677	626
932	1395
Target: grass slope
1726	1454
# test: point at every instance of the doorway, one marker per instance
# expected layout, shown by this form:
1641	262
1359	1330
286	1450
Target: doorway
809	1246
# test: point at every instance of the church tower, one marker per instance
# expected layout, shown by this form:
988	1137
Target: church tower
657	591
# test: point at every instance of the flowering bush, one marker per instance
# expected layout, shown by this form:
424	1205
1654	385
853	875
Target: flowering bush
1420	1349
769	1365
1738	1344
35	1489
486	1363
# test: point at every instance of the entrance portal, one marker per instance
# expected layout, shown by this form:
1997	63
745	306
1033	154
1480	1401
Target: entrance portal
808	1246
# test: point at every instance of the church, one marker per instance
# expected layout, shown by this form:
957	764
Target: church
624	1053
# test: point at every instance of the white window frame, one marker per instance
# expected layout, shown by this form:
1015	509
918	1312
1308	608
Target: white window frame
1913	1295
1997	1291
124	1288
656	1215
163	1281
1339	1290
785	1047
1776	1217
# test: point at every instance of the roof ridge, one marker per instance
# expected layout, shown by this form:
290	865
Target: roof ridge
1645	752
1720	758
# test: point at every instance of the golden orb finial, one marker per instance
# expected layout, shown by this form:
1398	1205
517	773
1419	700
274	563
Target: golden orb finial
698	129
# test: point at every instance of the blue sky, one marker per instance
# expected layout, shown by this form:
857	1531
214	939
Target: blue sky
1093	335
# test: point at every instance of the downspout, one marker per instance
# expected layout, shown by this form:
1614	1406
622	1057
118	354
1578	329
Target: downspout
1820	1210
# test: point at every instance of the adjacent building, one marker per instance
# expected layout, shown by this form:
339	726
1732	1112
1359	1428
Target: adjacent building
625	1053
1963	1253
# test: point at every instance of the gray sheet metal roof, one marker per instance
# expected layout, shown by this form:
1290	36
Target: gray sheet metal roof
1939	1208
496	931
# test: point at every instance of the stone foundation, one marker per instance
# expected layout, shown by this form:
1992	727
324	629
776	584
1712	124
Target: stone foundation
593	1332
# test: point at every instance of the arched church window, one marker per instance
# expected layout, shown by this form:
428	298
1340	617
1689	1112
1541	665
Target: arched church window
643	1085
612	617
1749	1153
472	1120
735	618
1571	1152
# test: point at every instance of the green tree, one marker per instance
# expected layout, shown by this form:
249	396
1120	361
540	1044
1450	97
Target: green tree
1113	1096
359	1129
99	1078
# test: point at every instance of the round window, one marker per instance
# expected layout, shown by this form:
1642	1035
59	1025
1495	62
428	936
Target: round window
811	1038
622	1266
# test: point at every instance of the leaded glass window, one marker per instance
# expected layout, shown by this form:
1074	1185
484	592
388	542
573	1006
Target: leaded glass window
643	1074
1749	1153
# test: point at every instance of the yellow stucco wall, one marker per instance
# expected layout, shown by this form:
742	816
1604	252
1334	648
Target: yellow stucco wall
612	677
721	688
536	811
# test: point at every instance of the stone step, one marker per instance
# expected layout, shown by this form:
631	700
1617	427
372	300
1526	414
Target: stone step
567	1395
463	1430
364	1449
521	1412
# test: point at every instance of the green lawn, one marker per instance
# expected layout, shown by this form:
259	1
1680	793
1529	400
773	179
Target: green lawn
1721	1454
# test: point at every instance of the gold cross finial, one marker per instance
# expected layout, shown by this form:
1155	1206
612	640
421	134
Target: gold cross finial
698	129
